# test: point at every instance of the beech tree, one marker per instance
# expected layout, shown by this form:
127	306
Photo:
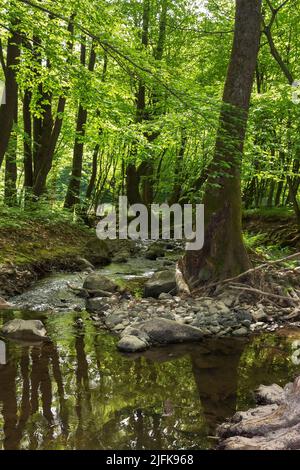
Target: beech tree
152	124
224	253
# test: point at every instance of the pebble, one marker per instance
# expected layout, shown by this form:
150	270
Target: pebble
213	317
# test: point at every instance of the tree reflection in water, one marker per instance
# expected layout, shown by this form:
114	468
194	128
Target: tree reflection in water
78	392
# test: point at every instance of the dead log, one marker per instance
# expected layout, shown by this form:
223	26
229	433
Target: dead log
274	426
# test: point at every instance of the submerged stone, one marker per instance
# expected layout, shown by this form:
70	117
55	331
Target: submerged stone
24	330
131	344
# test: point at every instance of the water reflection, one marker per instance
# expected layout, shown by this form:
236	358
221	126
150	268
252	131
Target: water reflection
78	392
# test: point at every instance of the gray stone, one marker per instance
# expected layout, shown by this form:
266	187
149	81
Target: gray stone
243	315
188	319
260	315
131	344
205	331
219	307
26	330
165	296
162	331
96	305
228	321
155	251
240	332
225	332
215	329
113	320
228	299
258	326
134	331
169	315
119	327
162	281
200	317
98	282
98	251
4	304
121	257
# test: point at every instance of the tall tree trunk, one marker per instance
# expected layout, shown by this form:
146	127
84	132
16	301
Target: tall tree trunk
27	144
91	185
7	111
271	194
47	130
73	192
177	188
224	254
11	170
132	175
144	175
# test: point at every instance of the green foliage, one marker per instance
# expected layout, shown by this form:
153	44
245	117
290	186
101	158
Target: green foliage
183	94
260	244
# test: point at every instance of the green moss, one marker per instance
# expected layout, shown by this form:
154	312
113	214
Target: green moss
31	237
270	212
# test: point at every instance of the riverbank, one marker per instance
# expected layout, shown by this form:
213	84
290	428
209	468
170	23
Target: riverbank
142	323
36	244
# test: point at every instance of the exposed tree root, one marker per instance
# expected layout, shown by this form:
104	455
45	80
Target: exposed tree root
274	426
262	283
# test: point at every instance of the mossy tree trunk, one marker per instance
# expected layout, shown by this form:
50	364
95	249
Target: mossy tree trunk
224	254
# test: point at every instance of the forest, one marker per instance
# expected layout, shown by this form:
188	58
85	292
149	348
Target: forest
176	102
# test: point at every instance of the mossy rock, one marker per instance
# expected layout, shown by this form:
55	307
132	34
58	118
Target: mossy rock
156	250
98	252
102	252
98	282
160	282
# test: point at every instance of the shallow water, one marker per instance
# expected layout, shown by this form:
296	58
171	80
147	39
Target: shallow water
78	392
53	292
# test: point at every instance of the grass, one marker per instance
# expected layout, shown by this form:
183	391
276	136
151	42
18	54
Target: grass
259	244
37	235
270	212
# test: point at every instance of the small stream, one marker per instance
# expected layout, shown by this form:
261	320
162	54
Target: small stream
78	392
53	292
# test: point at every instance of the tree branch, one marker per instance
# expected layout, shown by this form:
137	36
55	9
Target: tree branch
274	51
2	60
110	49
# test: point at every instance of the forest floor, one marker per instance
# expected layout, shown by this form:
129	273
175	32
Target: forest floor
30	237
274	227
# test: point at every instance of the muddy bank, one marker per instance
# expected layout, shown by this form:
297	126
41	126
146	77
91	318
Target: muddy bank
16	279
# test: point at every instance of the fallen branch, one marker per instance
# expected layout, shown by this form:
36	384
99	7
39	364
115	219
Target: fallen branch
261	292
252	270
